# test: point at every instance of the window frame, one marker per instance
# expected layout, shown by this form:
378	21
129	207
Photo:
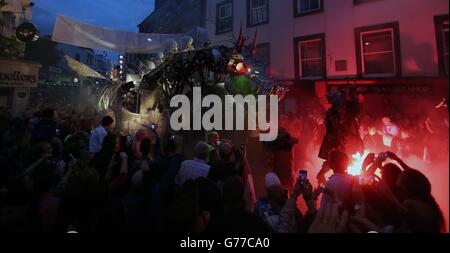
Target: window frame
297	56
395	29
440	44
218	6
249	15
363	54
300	14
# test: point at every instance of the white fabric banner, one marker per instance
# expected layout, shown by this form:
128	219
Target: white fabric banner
76	33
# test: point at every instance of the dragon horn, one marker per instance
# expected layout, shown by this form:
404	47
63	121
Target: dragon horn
254	43
240	42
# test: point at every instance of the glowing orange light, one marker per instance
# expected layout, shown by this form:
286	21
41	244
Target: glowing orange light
356	163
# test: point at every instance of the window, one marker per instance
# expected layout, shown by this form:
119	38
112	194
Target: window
224	17
378	55
441	26
263	53
310	56
77	57
304	7
262	57
8	24
257	12
378	51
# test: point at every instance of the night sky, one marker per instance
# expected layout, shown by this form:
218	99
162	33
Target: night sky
116	14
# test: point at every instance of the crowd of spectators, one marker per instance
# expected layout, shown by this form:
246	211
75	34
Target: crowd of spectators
63	172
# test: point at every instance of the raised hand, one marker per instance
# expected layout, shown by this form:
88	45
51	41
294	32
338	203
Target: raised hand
370	158
298	189
319	190
321	180
307	190
391	155
242	151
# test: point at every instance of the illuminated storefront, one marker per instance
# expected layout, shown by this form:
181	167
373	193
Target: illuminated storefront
17	78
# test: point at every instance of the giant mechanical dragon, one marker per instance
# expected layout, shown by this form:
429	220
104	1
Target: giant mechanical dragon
179	71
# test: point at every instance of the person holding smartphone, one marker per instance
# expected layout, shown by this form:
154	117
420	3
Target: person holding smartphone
155	140
214	142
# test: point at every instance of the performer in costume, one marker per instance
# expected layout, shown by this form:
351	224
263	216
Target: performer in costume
334	137
353	142
342	127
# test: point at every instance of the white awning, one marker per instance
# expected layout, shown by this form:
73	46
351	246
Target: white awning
76	33
81	69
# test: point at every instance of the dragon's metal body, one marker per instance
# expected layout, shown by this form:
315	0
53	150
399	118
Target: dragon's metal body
178	72
204	67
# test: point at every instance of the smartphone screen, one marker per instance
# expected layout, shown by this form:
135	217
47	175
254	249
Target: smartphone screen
303	175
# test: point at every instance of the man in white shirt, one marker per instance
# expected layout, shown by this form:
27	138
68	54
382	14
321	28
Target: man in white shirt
99	133
390	131
338	185
193	169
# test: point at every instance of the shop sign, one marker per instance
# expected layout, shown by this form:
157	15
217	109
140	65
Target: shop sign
18	74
